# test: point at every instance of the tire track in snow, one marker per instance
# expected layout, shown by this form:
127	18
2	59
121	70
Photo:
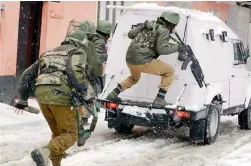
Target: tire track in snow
175	150
150	148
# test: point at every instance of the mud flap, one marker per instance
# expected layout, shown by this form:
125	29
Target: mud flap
197	131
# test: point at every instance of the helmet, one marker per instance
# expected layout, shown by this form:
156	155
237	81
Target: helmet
76	35
87	27
171	17
104	27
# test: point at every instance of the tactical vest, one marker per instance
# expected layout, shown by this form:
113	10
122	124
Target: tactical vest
52	66
147	38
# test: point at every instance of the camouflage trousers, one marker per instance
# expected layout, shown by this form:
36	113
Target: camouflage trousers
155	67
63	125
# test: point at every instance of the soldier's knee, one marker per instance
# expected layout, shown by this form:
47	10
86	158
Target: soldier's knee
172	71
134	80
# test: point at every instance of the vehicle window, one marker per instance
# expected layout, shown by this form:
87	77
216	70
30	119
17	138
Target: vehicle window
240	54
246	53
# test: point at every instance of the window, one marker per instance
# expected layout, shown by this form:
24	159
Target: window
240	54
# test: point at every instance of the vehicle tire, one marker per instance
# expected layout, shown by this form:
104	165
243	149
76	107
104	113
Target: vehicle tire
244	119
212	123
124	128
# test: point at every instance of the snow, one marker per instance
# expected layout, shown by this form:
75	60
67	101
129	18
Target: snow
197	14
20	134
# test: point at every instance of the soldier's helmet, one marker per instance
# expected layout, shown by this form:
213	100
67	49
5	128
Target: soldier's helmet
76	35
88	27
104	27
171	17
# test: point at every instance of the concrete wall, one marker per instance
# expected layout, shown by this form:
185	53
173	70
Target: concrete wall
9	37
55	21
208	6
238	21
57	16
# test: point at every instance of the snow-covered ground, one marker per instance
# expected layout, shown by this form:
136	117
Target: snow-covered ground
20	134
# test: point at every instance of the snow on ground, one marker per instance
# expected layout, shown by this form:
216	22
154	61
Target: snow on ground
20	134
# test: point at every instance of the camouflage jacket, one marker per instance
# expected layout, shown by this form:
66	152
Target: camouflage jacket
100	46
149	41
46	82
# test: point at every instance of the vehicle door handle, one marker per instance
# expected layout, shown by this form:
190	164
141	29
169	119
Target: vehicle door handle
232	75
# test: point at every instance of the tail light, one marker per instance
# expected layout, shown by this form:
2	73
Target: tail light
180	113
183	114
111	105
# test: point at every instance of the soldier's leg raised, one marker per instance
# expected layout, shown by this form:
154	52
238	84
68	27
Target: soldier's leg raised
126	84
166	72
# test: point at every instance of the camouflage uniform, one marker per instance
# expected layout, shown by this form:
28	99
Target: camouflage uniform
100	40
100	46
50	72
150	40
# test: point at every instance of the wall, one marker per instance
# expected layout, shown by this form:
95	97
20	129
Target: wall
9	37
57	16
206	6
238	21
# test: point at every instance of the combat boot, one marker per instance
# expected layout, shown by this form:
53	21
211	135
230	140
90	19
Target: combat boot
113	96
41	156
159	101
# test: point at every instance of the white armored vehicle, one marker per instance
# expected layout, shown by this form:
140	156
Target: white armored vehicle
211	82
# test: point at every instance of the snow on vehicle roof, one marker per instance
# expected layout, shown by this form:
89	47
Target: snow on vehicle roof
153	6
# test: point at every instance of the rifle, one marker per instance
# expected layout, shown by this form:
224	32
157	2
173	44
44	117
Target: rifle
78	101
195	66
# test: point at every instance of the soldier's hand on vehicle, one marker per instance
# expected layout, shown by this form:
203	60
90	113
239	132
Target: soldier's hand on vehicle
19	106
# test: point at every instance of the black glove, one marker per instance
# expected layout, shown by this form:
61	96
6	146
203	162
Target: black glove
181	49
20	104
182	56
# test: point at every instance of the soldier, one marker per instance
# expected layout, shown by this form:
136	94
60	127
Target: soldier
150	40
103	31
62	68
99	40
99	45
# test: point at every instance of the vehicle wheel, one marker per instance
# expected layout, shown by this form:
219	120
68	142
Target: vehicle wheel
124	128
212	123
244	119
